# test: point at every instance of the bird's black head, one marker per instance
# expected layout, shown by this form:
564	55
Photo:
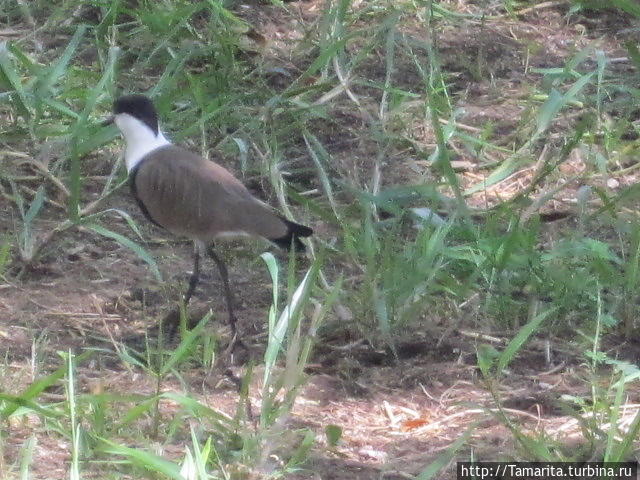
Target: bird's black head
140	107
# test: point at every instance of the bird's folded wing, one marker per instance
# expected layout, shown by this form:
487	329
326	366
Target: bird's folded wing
191	196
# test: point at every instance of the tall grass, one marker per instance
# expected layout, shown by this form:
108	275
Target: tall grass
94	422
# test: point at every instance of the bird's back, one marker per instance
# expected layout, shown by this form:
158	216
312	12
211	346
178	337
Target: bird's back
199	199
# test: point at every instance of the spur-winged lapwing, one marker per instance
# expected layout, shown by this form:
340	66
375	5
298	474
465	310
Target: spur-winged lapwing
190	196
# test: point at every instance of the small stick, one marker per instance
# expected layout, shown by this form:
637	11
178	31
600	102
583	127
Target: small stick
482	336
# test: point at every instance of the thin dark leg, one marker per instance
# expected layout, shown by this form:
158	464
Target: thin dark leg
195	276
171	322
222	268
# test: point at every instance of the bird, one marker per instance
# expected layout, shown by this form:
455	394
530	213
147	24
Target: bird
190	196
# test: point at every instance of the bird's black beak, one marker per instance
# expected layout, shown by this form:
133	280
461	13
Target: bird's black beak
108	121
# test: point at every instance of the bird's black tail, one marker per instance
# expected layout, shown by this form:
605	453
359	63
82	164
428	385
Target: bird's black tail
294	232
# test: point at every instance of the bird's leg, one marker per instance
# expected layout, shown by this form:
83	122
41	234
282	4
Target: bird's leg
222	268
195	275
171	321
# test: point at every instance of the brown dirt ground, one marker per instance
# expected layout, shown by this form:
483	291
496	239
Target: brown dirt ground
396	417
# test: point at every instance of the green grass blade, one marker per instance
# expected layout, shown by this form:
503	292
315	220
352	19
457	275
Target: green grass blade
277	335
632	264
503	171
321	61
40	385
321	158
46	82
26	404
5	254
272	266
146	460
125	242
518	341
24	60
35	206
136	412
447	456
128	218
614	416
81	135
26	457
74	468
299	295
621	453
13	78
486	356
61	108
634	53
197	409
185	345
557	101
631	7
300	455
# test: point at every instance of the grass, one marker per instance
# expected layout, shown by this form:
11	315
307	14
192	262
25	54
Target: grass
356	121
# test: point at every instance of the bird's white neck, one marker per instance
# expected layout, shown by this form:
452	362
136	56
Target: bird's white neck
139	137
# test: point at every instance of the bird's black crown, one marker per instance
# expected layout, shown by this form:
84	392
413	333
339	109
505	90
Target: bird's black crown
140	107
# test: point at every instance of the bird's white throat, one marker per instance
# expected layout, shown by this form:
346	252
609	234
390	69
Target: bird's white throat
140	139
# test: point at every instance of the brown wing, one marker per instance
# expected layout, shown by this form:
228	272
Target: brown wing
191	196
